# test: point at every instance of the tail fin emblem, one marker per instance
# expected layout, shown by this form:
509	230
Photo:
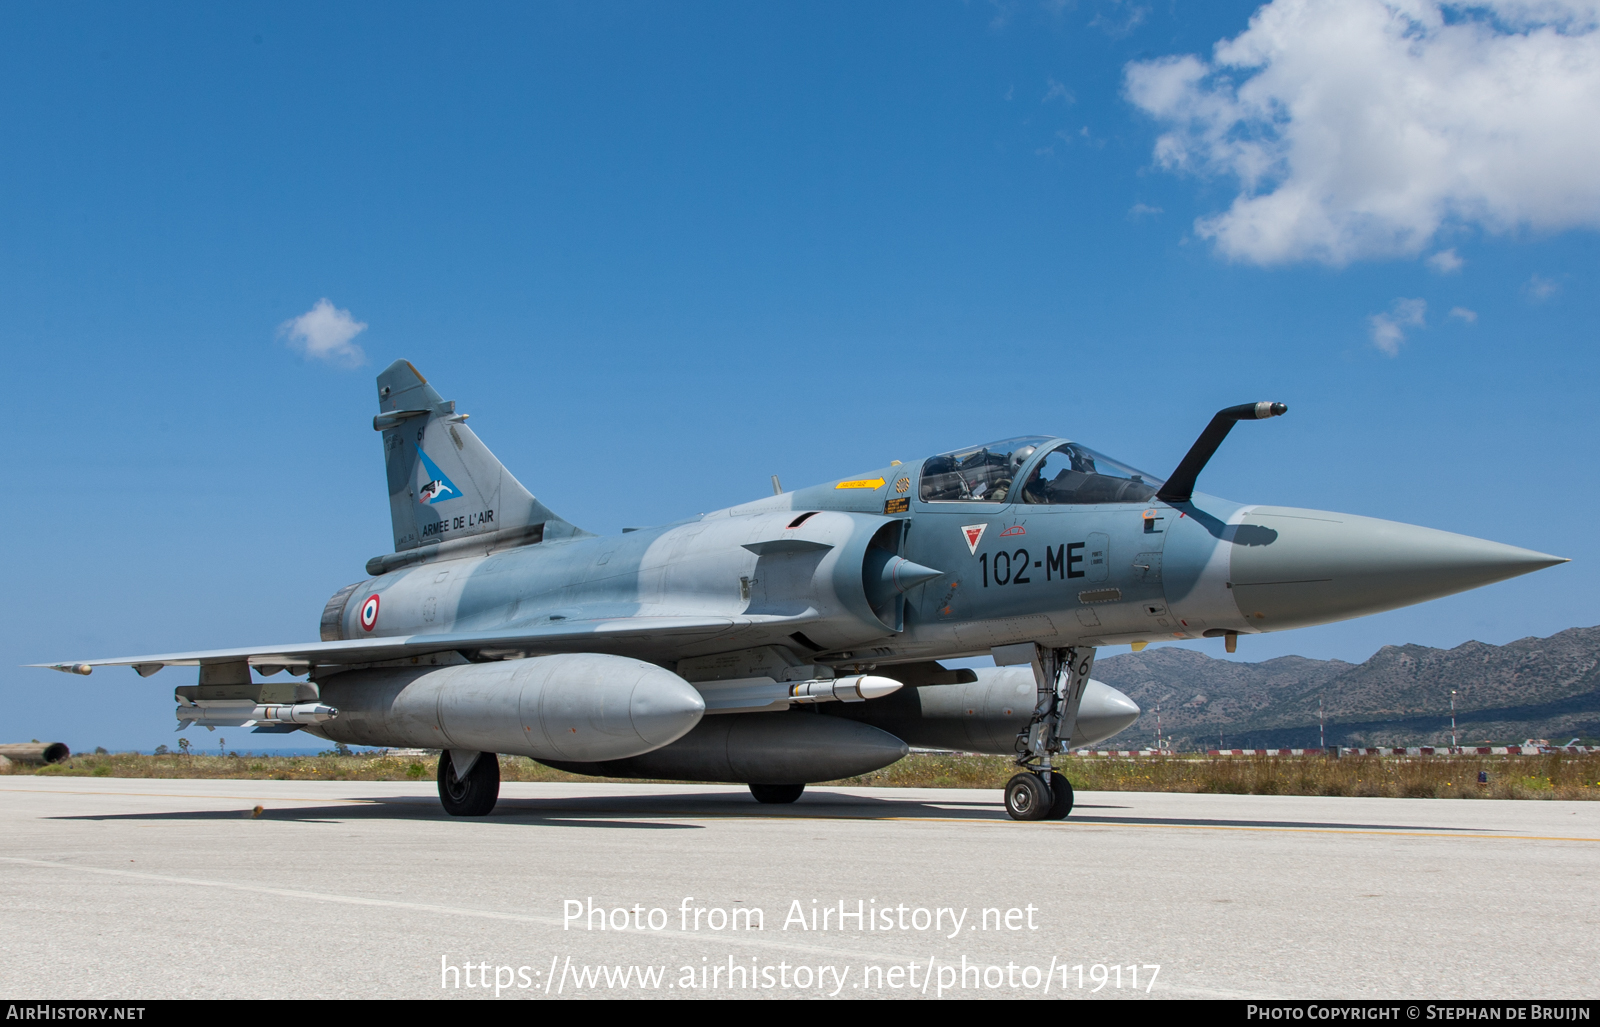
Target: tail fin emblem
438	488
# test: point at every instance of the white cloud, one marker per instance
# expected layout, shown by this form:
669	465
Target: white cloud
1142	209
1086	137
1446	262
1358	128
1542	288
1389	330
1120	18
1462	313
325	333
1057	91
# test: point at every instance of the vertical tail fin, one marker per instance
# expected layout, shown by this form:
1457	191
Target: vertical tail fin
443	482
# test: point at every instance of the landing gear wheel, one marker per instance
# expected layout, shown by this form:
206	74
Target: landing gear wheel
473	795
1061	792
776	793
1028	797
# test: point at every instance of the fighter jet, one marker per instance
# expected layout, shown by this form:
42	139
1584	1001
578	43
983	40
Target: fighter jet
797	638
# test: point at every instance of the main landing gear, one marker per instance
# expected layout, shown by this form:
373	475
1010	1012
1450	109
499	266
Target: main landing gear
776	793
1039	792
471	792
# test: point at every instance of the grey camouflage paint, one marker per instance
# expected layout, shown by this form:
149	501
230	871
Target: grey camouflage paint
483	569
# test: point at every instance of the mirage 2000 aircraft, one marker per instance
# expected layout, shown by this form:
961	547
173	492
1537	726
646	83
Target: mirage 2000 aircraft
795	638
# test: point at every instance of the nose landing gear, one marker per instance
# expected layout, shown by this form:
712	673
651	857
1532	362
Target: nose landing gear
1030	797
1039	792
1061	796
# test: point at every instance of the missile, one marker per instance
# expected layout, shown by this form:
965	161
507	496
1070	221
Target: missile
856	688
244	712
742	695
298	713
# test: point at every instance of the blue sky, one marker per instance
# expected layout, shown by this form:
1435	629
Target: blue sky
663	251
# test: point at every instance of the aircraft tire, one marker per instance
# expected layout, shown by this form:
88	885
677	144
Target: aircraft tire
776	793
1028	797
1061	795
473	795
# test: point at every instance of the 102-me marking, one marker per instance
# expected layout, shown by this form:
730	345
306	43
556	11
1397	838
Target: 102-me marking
1013	568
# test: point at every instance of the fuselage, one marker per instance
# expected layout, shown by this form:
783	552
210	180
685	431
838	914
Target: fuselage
807	569
700	650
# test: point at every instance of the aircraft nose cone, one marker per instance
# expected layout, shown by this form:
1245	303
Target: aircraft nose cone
902	575
1297	567
1103	712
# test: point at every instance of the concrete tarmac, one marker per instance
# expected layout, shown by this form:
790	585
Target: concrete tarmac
170	889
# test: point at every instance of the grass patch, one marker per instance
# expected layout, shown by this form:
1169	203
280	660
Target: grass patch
1556	776
357	767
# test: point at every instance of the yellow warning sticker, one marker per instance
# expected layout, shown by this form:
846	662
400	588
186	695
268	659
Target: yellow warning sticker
862	483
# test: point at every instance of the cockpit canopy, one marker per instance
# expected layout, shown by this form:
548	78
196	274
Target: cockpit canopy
982	474
1049	471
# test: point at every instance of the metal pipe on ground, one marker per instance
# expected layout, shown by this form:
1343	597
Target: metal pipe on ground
35	752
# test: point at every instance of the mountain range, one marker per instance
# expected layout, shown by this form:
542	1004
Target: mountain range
1530	688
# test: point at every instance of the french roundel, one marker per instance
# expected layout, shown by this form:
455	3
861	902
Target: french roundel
369	613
